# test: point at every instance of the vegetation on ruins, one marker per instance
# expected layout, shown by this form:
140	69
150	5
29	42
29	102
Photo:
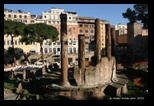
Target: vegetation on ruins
39	32
10	83
140	13
13	29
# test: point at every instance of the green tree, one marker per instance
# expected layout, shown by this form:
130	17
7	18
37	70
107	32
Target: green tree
13	29
38	33
140	13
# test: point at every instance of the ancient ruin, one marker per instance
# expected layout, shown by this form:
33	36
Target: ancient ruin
93	81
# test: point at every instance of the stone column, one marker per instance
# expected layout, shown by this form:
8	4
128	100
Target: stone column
98	41
81	57
108	40
24	74
64	49
113	41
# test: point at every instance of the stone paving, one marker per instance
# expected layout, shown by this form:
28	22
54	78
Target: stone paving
11	96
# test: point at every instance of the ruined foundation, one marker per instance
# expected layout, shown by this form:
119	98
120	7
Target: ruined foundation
91	82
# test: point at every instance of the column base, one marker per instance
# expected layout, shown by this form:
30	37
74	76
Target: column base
65	84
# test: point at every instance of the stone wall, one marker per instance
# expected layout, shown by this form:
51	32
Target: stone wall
103	73
134	36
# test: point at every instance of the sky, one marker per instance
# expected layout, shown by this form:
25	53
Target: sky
109	12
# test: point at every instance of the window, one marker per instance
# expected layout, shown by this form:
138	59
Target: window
9	15
32	21
4	15
69	17
70	50
25	21
21	43
92	31
25	16
44	16
54	43
86	31
58	49
80	31
8	42
19	20
15	42
50	49
80	25
4	42
15	20
86	25
45	50
15	16
102	39
49	22
20	16
86	59
87	37
58	43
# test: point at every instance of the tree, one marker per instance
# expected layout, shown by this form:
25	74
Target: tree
13	29
38	33
140	13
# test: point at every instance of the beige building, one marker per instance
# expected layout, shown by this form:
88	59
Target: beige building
17	44
103	32
19	16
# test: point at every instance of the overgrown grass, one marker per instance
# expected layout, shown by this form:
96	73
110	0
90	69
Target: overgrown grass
10	83
134	90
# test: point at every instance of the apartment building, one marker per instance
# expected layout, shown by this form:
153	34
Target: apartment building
122	38
75	25
103	32
17	44
86	26
121	29
19	16
53	18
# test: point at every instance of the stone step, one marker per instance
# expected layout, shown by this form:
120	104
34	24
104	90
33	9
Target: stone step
118	86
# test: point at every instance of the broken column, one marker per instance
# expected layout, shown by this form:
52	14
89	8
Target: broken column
24	74
64	49
113	41
81	57
98	41
108	40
